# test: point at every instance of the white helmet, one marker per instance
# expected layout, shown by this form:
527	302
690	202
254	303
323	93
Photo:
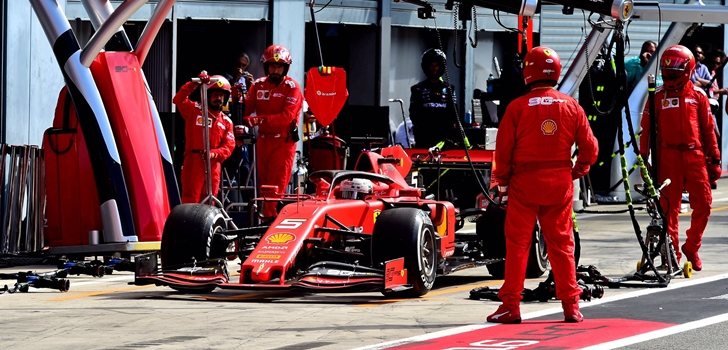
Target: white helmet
356	188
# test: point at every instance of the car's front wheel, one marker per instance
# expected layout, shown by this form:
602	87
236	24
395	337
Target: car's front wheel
407	233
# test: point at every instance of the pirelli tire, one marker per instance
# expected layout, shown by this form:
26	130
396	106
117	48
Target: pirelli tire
407	233
490	227
188	237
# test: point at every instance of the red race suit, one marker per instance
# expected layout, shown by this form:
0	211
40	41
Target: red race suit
533	158
685	140
222	142
278	108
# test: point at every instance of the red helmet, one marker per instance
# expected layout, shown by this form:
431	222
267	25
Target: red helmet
676	65
276	54
541	64
221	83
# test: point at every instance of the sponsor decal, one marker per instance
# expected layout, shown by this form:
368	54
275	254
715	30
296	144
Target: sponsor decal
548	127
263	95
546	101
691	101
198	121
268	256
280	238
261	261
121	69
291	84
273	247
670	103
278	94
322	93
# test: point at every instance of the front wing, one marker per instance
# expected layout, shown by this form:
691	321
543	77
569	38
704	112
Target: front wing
321	277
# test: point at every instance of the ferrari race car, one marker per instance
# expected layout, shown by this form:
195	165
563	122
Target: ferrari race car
362	230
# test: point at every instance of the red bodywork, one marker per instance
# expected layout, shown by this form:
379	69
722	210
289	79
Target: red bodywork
280	257
117	74
73	203
69	179
280	247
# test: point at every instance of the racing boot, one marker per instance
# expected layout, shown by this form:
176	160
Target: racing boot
506	314
571	312
693	258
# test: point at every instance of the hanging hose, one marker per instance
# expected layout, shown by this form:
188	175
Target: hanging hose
315	29
466	143
649	186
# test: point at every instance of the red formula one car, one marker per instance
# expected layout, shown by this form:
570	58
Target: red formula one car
362	230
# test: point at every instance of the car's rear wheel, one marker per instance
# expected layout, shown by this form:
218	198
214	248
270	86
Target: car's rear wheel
407	233
188	237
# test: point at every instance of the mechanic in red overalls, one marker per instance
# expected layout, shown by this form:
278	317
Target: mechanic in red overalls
534	167
274	104
222	139
687	150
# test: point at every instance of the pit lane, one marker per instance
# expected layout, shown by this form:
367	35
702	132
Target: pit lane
107	313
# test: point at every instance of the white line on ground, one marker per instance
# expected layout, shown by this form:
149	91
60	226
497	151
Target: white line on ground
468	328
659	333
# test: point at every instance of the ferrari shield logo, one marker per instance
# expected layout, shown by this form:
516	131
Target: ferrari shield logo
376	215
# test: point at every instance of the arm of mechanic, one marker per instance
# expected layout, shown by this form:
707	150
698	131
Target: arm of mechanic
227	142
587	144
187	107
707	130
250	100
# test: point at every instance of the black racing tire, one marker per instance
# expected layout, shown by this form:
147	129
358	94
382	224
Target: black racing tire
538	259
490	227
408	233
188	237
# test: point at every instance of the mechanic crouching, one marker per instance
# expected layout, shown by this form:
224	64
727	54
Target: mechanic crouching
534	173
687	150
222	140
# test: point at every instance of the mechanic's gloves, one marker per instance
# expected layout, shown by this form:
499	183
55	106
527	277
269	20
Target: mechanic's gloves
579	170
503	194
714	170
204	77
253	121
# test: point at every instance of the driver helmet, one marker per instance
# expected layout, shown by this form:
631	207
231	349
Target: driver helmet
356	188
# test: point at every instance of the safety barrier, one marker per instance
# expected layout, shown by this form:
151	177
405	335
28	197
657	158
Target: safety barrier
22	199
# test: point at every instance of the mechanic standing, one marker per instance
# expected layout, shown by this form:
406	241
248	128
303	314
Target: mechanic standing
687	150
432	102
222	139
534	170
274	104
